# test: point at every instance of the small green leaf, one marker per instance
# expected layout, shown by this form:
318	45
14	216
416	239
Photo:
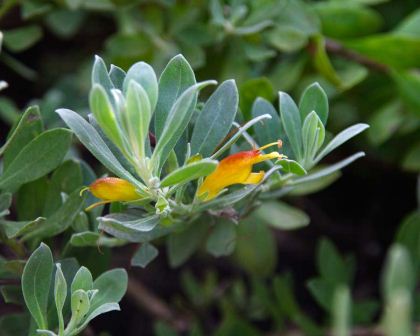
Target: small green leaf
105	116
80	306
328	170
82	280
105	308
315	99
94	143
100	75
222	239
37	158
117	76
411	161
215	119
331	264
190	172
17	229
176	122
22	38
60	294
398	273
341	138
282	216
137	116
292	167
145	254
251	90
132	228
144	75
88	238
174	80
313	136
36	280
111	287
290	117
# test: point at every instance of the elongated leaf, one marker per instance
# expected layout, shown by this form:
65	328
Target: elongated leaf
37	158
89	238
94	143
174	80
341	138
105	308
215	120
16	229
144	75
290	117
60	220
100	75
36	280
137	115
144	255
269	130
29	116
315	99
190	172
176	122
282	216
105	116
135	229
330	169
117	75
60	294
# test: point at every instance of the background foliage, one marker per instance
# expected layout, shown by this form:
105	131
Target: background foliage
362	243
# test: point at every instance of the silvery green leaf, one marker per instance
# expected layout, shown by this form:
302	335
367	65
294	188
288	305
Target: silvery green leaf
239	133
60	294
176	122
36	280
37	158
174	80
341	138
291	166
132	228
94	143
100	75
45	332
145	254
105	308
138	113
292	124
89	238
111	287
215	119
282	216
80	305
82	280
315	99
144	75
313	135
117	75
190	172
328	170
102	109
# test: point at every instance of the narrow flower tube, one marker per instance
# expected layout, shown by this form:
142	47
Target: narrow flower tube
112	189
236	169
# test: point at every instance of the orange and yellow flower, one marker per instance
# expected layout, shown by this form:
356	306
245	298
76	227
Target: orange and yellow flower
236	169
112	189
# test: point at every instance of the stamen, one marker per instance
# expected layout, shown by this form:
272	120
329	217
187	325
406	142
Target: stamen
278	143
83	190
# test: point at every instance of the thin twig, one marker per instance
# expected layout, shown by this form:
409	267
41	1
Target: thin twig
336	48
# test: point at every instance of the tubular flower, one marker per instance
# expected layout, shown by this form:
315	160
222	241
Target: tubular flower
235	169
112	189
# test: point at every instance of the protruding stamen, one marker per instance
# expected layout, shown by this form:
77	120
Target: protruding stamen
278	143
